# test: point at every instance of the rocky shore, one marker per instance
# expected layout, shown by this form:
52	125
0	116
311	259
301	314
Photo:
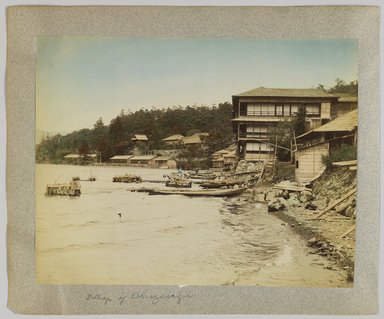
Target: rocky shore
323	215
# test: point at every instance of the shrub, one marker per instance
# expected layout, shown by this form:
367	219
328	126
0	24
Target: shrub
343	153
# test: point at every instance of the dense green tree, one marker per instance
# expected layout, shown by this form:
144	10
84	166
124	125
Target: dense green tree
280	138
115	138
299	120
342	87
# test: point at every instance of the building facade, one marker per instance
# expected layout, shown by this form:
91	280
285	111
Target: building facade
257	112
320	142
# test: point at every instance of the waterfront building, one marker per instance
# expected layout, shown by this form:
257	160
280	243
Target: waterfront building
320	142
257	111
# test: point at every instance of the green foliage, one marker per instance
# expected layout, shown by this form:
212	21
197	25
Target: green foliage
281	135
343	153
156	124
299	120
284	171
342	87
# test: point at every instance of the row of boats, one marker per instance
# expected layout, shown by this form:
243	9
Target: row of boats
210	185
181	183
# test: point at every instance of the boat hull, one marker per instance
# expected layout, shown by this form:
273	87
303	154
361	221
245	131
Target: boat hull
199	193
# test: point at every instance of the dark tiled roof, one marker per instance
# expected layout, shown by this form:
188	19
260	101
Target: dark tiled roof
269	92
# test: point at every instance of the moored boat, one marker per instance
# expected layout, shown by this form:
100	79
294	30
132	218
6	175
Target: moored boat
191	192
71	189
178	181
127	178
220	183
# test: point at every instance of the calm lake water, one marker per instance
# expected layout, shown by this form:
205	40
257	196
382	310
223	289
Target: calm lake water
173	240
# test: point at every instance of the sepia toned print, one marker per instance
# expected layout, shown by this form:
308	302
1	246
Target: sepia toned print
152	168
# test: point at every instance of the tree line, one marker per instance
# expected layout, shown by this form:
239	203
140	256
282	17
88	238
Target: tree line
156	124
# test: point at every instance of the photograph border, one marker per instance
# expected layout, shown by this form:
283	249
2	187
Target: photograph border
25	23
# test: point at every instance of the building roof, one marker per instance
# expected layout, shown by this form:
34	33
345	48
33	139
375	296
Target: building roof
193	139
230	154
347	98
277	92
205	134
175	137
221	152
78	156
163	158
121	157
142	158
345	123
140	137
72	156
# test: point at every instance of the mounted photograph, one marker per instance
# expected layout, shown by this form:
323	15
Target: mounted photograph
196	161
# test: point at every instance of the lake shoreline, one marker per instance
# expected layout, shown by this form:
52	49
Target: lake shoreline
320	237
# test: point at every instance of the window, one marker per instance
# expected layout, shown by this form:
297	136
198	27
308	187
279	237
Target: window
257	131
297	164
287	110
261	109
279	110
258	147
294	108
268	109
312	109
243	108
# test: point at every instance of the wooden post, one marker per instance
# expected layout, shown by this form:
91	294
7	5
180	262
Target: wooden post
348	231
351	192
294	139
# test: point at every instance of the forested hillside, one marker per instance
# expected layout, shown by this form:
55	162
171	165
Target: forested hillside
115	138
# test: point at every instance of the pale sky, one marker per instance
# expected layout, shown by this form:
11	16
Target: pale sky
79	79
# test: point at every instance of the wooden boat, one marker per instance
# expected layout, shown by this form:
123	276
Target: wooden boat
220	183
178	181
127	178
71	189
203	176
199	192
183	184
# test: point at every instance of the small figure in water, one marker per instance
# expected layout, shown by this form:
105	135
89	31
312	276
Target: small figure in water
119	214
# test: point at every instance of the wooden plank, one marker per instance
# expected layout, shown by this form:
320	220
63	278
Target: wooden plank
291	188
341	208
348	231
345	163
353	168
330	206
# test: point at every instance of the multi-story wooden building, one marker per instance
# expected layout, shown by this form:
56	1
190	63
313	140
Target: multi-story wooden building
257	111
322	141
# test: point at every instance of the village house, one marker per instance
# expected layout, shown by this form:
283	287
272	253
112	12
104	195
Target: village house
165	162
120	159
195	139
321	141
345	103
218	159
256	111
230	160
224	159
174	140
142	160
139	138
